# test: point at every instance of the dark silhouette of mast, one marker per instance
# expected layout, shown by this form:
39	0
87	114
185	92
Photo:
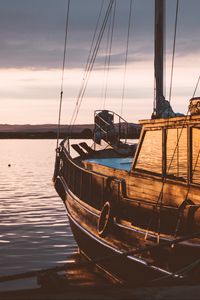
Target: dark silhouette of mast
162	107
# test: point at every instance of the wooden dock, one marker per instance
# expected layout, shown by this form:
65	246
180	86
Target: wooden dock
81	282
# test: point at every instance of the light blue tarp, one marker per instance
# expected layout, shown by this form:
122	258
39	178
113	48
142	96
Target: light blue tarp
117	163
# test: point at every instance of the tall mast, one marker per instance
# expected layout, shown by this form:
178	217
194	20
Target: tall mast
162	108
159	49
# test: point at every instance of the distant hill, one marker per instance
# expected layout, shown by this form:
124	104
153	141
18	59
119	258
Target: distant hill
50	131
44	131
42	128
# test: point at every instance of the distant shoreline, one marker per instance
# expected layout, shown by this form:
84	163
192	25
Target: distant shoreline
44	135
49	131
41	135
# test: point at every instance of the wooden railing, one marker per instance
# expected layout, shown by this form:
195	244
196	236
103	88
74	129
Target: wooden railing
92	188
86	185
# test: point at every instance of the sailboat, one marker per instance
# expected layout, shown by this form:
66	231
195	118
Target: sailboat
141	223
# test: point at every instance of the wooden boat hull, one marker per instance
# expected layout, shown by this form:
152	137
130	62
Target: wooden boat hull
110	259
85	191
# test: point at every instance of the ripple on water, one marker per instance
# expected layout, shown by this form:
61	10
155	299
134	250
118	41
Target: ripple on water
35	231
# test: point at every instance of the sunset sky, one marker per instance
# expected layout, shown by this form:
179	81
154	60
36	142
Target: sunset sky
32	42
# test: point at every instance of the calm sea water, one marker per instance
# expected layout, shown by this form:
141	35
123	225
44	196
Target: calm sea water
34	229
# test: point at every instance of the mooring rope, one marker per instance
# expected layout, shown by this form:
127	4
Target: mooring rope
179	273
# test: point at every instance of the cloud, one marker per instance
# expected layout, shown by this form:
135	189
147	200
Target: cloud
32	32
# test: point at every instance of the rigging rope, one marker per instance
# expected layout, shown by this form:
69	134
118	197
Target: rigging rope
174	47
196	87
109	50
126	56
87	64
160	196
186	197
159	202
91	64
106	63
63	71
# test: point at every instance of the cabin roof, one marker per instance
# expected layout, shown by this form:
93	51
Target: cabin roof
183	120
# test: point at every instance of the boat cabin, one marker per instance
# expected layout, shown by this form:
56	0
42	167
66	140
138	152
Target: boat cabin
169	148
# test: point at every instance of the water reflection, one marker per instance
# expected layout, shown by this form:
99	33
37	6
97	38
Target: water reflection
34	230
